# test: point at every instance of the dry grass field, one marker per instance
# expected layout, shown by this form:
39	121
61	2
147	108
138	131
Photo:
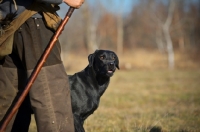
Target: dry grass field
141	99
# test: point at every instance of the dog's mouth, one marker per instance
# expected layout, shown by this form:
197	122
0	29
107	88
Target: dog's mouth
110	71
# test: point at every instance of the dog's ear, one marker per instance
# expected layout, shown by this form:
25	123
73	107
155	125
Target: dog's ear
91	58
116	61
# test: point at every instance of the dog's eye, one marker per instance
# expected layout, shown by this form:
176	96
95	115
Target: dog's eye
113	58
102	57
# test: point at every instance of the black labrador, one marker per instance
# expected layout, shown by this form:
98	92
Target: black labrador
89	85
86	87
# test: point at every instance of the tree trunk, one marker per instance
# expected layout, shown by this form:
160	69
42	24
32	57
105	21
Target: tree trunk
90	31
170	49
166	32
120	33
120	36
92	37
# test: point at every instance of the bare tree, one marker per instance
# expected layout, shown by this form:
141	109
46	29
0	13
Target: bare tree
90	19
119	23
163	31
88	28
120	32
166	27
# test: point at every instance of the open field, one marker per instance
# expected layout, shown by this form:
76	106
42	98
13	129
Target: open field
144	96
140	101
144	100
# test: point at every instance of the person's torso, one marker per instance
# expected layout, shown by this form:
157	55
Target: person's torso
15	7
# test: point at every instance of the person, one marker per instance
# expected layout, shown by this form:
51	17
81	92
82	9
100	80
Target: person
49	96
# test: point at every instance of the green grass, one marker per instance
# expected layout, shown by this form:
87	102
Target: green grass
149	100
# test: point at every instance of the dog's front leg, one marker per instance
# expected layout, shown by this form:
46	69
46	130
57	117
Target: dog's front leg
78	124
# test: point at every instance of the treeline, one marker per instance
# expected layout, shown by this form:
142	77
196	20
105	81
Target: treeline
152	24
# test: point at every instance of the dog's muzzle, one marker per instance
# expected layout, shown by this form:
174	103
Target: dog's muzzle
111	67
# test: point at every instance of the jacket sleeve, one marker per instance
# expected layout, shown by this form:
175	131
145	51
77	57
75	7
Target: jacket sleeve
50	1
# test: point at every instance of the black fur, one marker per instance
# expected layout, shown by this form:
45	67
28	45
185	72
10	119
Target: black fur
89	85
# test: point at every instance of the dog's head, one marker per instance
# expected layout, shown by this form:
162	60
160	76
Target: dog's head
104	62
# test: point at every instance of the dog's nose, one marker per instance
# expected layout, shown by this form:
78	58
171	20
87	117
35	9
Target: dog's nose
111	65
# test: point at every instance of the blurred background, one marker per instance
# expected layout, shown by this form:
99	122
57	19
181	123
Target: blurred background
157	88
152	33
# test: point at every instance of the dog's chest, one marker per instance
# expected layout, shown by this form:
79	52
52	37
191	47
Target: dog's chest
90	105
